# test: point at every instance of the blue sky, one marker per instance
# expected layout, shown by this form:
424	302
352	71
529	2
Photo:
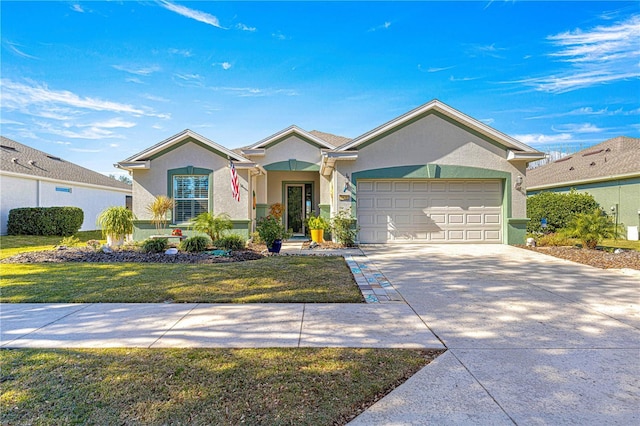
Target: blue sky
96	82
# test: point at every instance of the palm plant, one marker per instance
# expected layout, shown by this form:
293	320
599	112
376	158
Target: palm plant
116	223
591	228
159	208
212	225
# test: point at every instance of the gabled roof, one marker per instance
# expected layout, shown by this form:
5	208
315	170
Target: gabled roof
612	159
332	139
436	106
141	159
20	159
289	131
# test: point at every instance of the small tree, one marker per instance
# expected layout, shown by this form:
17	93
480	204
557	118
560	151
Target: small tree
159	208
591	228
212	225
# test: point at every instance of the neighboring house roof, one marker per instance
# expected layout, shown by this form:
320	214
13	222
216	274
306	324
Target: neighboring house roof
518	150
20	159
612	159
142	159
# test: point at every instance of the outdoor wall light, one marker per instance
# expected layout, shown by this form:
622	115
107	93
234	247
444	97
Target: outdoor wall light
518	183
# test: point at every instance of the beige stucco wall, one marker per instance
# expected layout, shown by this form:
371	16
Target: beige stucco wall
150	183
433	140
292	147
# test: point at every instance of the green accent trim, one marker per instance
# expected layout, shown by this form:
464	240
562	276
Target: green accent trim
441	116
517	230
292	165
189	170
184	142
436	171
261	210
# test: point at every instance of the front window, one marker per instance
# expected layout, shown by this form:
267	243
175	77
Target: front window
191	196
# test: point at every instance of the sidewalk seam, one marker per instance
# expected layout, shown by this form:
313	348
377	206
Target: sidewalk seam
2	344
172	326
304	308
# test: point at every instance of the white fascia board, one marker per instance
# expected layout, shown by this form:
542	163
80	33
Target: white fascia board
66	182
528	156
134	165
257	152
291	130
583	181
329	159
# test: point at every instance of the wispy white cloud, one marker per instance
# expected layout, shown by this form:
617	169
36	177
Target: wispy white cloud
224	65
255	92
385	26
191	13
456	79
77	8
434	69
584	111
278	35
577	128
13	47
189	77
144	71
539	138
111	124
604	54
154	98
244	27
182	52
490	50
10	122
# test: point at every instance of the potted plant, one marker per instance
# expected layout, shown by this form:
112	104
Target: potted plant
272	232
116	223
317	225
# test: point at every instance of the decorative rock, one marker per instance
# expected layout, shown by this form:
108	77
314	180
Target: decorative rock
171	251
531	242
618	251
106	249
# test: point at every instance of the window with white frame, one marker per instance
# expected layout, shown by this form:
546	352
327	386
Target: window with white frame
191	196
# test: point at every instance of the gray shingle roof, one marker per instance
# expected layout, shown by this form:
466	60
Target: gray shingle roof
18	158
614	157
331	139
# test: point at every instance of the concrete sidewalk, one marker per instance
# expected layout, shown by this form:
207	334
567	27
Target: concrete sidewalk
103	325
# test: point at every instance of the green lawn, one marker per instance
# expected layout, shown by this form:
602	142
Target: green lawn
11	245
286	279
620	243
198	386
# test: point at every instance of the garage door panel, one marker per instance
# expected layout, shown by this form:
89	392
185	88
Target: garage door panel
430	210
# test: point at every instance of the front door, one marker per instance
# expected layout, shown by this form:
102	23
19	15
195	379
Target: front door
298	205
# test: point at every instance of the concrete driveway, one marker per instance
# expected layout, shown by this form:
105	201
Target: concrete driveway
531	339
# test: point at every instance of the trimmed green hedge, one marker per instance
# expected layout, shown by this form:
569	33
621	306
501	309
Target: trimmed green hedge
64	221
557	208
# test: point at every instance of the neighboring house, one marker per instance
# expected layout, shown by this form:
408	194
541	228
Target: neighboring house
32	178
609	171
430	175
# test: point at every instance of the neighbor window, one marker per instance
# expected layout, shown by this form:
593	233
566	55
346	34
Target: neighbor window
191	196
63	189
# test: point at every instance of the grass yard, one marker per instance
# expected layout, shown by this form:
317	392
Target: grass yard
199	386
286	279
11	245
620	243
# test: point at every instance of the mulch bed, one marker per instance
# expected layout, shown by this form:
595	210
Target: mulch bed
629	259
125	255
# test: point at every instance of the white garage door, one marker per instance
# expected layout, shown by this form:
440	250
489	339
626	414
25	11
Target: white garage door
429	210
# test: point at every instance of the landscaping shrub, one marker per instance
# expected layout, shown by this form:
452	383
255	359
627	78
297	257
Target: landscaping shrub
556	239
64	221
155	245
231	242
342	227
195	244
557	208
71	241
591	228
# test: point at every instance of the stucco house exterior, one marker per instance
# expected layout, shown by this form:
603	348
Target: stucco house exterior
610	171
32	178
433	174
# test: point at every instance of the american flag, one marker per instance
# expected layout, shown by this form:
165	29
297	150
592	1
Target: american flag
235	186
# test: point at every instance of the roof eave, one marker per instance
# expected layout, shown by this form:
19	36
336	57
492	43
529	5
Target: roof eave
583	181
133	165
329	159
291	130
526	156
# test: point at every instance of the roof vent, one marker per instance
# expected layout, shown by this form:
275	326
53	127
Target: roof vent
593	163
54	158
8	148
592	152
32	162
607	150
571	168
14	160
